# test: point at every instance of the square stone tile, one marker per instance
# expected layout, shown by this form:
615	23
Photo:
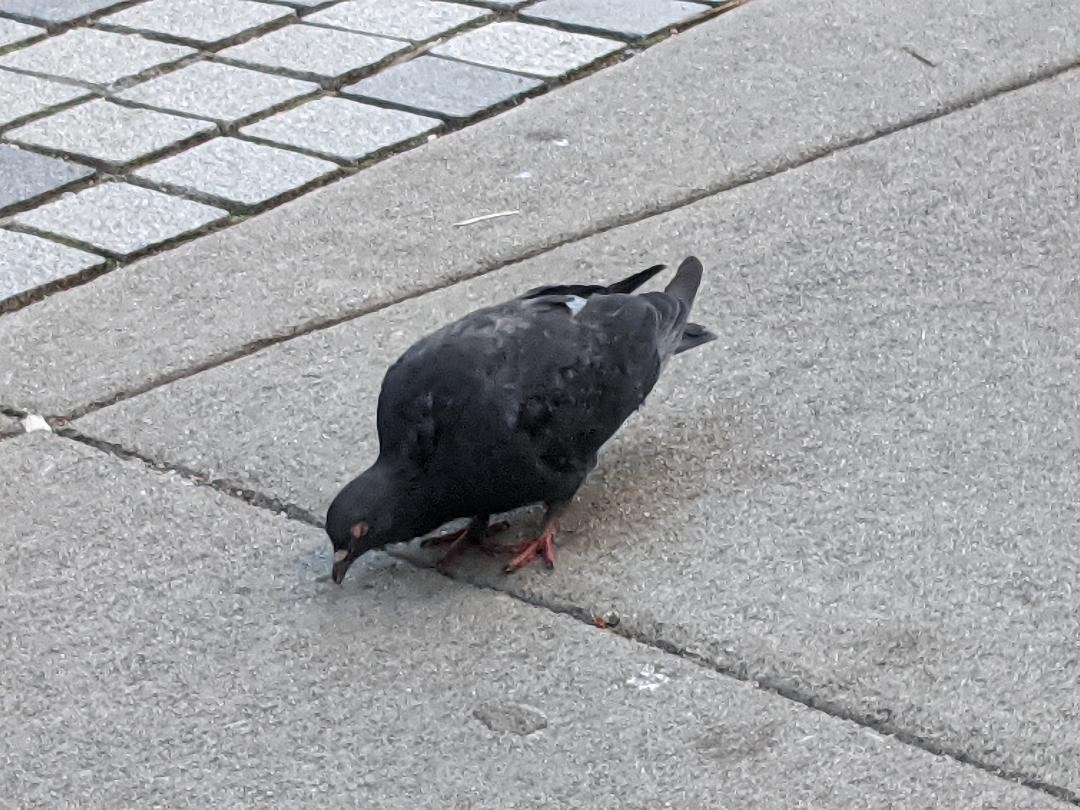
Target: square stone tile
219	92
628	18
108	132
450	89
28	176
414	20
119	217
311	50
55	11
12	32
94	57
530	49
22	95
237	171
28	262
202	22
341	128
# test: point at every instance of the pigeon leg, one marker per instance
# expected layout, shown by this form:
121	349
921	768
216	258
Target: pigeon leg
478	530
542	546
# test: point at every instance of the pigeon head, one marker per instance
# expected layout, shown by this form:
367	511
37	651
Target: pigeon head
362	518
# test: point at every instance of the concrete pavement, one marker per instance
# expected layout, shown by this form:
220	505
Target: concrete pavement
760	88
839	540
863	494
205	662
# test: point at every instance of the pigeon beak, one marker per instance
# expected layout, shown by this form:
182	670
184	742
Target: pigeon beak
343	558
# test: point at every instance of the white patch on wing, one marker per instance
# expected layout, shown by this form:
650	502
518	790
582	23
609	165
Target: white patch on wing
575	303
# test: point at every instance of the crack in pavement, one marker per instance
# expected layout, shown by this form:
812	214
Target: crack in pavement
777	686
602	226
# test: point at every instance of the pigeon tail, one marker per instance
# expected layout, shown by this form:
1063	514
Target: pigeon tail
686	282
684	288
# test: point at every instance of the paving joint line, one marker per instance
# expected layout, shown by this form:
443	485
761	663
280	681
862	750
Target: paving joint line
777	686
611	224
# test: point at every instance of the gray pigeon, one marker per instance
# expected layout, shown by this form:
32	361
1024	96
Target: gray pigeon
508	407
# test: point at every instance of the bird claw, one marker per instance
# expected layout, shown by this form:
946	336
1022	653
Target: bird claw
541	546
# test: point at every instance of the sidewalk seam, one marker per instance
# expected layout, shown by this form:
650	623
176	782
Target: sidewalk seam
614	223
772	685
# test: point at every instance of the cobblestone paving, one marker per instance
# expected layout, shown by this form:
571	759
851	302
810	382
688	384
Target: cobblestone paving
126	127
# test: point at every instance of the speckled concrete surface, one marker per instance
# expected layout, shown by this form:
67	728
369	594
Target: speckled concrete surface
864	491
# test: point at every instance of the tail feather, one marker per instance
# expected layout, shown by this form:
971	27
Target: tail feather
694	334
686	282
631	283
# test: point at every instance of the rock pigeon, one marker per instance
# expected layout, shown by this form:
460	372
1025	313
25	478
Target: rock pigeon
508	407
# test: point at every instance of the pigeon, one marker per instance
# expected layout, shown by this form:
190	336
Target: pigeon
508	407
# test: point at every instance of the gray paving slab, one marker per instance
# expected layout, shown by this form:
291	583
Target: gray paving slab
779	87
441	87
55	11
532	49
119	217
219	92
201	22
237	171
22	95
28	262
197	630
311	50
341	128
864	492
99	58
13	32
414	20
629	18
109	132
28	176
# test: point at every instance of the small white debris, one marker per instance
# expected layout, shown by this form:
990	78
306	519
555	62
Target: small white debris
561	142
523	175
485	217
432	137
33	422
648	680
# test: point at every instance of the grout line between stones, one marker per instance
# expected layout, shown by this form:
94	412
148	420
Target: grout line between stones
776	686
603	226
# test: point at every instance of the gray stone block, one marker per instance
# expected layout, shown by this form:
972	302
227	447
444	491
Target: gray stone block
531	49
201	22
237	171
193	615
120	218
12	32
28	262
9	426
864	492
99	58
311	50
109	132
414	20
22	95
341	128
629	18
55	11
28	176
218	92
442	87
